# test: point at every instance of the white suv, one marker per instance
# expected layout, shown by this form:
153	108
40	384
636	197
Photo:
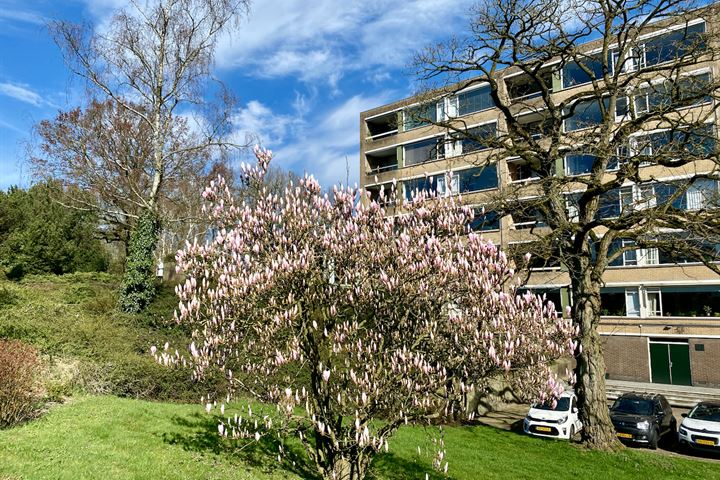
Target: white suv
701	427
560	421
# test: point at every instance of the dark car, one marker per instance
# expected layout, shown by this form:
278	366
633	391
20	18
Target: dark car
643	419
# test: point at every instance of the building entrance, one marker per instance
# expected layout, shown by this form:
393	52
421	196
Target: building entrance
670	362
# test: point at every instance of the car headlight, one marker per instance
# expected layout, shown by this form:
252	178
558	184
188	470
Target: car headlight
563	419
683	431
644	425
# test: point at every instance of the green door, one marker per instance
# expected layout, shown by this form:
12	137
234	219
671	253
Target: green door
660	363
680	364
670	363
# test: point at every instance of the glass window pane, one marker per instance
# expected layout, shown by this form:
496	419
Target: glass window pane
420	115
579	164
574	74
475	101
484	221
479	138
670	46
478	178
586	113
426	184
424	151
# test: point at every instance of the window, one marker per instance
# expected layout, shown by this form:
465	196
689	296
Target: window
484	221
579	163
572	206
447	184
653	303
419	116
422	184
670	46
615	202
474	100
675	145
549	294
477	178
424	151
586	113
634	257
634	59
702	193
574	73
683	92
477	138
670	301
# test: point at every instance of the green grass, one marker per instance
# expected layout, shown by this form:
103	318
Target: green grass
113	438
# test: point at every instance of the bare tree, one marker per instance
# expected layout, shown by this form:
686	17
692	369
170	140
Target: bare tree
106	151
627	160
153	60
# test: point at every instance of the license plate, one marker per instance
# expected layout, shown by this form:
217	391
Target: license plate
705	442
624	435
543	429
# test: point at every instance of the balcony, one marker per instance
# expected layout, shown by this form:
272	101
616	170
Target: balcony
524	87
381	126
381	161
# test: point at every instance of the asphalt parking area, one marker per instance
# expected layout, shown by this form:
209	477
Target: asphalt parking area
511	417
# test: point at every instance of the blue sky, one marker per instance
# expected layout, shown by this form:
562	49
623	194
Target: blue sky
302	71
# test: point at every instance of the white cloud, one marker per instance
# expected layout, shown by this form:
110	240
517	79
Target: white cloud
327	145
23	93
19	15
321	40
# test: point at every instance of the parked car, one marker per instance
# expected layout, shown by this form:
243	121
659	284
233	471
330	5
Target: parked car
643	419
701	427
559	421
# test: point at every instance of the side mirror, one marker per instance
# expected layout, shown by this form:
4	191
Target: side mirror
574	410
683	415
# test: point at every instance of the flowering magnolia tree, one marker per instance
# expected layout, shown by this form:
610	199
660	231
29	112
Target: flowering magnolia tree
351	323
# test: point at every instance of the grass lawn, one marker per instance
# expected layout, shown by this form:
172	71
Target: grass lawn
113	438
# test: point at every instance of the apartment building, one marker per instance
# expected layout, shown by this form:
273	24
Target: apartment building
660	311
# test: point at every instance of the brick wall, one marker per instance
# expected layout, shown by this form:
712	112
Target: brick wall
705	363
626	358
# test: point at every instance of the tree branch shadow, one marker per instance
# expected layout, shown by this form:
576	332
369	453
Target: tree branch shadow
390	465
199	433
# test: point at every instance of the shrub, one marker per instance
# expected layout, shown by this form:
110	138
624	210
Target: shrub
19	396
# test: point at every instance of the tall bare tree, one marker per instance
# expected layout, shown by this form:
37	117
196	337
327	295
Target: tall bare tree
594	157
153	61
106	151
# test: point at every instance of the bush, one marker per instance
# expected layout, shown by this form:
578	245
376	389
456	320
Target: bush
19	396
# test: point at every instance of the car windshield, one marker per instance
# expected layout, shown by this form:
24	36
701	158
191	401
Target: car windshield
563	405
706	412
634	406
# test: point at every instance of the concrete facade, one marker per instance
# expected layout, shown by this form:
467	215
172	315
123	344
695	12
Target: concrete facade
676	302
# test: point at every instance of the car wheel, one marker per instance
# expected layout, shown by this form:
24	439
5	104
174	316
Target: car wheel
653	440
572	432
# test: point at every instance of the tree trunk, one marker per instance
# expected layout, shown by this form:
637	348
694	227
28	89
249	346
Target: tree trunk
598	431
345	469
